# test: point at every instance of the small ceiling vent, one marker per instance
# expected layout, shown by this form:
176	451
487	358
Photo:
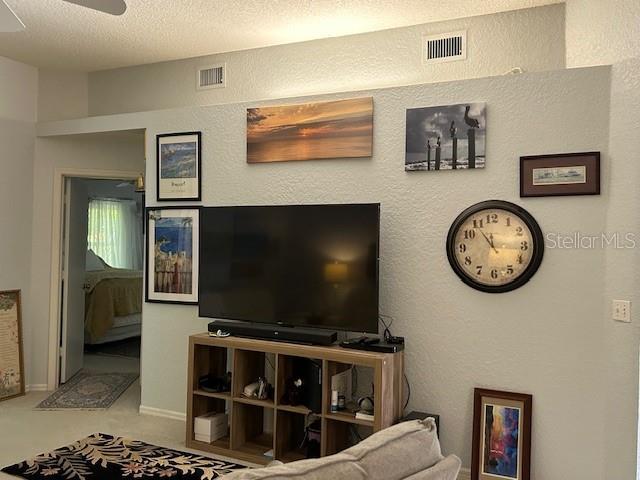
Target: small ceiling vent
212	76
446	47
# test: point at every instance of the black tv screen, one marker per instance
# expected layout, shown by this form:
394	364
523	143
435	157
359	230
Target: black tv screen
300	265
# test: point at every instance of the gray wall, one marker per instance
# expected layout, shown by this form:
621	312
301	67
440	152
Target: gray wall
114	151
18	97
601	32
622	275
62	95
545	338
531	38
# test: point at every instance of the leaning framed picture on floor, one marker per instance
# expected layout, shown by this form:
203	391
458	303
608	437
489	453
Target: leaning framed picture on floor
11	354
501	435
172	255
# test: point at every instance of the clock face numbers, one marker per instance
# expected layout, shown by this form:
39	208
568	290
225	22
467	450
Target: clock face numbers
493	247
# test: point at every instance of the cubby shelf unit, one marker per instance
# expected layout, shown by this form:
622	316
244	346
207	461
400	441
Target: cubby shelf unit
258	426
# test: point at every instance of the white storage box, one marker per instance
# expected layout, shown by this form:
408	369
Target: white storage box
211	427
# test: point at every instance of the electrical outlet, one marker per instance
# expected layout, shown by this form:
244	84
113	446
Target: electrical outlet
621	310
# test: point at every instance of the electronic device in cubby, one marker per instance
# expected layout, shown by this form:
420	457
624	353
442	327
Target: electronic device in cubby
287	425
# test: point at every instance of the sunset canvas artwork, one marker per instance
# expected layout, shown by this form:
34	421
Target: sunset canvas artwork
322	130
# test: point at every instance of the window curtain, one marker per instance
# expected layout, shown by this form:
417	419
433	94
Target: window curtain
115	232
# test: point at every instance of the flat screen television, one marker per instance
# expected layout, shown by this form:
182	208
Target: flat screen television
297	265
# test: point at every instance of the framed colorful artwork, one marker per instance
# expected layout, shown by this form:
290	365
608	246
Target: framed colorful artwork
11	354
501	435
179	166
310	131
560	174
172	255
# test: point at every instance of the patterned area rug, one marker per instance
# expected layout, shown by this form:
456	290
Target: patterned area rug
105	457
89	391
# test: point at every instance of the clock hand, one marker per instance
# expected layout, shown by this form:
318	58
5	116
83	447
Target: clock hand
490	242
492	246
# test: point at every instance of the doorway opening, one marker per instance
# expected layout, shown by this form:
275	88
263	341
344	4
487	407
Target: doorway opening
101	277
99	174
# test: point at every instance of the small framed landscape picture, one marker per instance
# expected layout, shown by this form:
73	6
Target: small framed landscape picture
501	435
172	255
560	174
11	355
179	166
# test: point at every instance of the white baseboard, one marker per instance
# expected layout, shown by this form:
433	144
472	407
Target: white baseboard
159	412
465	474
37	387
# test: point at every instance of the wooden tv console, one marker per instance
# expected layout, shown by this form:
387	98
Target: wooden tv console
257	426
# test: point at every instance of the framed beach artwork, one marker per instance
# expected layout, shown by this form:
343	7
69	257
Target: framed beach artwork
447	137
179	166
172	255
501	435
11	354
560	174
310	131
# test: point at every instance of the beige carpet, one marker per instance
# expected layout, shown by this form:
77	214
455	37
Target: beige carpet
27	432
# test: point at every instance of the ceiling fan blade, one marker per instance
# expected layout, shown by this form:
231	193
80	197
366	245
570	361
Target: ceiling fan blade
9	21
112	7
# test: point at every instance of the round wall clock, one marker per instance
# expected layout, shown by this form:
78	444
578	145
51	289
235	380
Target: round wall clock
495	246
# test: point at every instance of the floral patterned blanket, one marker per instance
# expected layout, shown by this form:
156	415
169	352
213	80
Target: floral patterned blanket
105	457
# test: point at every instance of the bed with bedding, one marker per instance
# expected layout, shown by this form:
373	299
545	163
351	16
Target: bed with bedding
113	302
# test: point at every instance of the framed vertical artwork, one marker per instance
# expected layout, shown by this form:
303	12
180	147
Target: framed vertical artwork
11	354
172	255
179	166
501	435
560	174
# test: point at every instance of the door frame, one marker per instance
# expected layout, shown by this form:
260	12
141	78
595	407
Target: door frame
57	217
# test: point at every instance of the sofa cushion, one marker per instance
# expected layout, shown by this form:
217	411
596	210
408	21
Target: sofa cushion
391	454
399	451
334	467
446	469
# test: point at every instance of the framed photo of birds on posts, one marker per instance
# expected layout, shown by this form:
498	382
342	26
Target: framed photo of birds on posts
447	137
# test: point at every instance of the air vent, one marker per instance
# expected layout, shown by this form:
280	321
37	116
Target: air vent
213	76
447	47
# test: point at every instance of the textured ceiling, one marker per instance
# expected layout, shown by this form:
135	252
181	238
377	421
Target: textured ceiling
65	36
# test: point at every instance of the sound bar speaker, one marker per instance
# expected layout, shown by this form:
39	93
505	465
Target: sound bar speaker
308	336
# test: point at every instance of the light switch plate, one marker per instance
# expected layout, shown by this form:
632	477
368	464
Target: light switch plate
621	311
